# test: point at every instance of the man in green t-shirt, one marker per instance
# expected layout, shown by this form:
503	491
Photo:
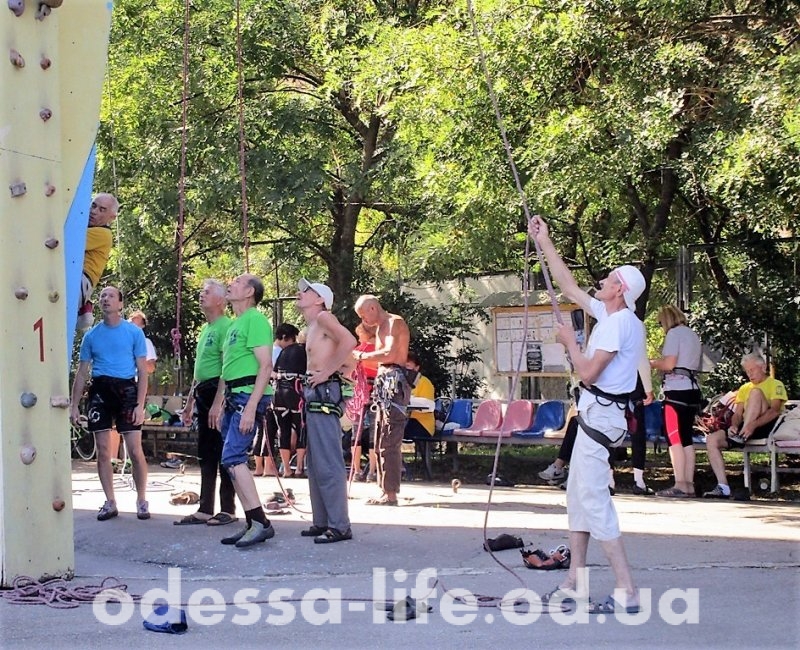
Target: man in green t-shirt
242	400
207	373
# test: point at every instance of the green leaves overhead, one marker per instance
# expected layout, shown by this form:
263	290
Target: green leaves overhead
372	151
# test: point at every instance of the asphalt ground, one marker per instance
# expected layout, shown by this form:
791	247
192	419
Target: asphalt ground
713	574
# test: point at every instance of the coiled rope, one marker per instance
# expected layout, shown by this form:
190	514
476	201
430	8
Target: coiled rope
57	593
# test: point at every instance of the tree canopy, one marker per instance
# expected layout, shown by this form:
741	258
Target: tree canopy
641	128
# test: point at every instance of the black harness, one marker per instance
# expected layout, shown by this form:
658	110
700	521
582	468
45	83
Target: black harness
597	436
622	400
241	381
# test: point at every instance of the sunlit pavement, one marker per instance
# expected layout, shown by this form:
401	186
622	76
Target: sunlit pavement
714	574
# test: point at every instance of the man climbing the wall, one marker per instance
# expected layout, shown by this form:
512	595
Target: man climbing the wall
99	240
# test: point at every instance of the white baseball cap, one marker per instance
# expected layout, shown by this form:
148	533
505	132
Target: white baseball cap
323	291
632	282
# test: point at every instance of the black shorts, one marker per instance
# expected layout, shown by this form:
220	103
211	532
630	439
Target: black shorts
112	401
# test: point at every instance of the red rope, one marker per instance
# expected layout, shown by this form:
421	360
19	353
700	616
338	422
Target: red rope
242	169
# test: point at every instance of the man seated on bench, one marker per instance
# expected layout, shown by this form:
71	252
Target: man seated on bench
758	404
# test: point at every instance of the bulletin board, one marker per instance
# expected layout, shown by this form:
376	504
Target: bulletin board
531	346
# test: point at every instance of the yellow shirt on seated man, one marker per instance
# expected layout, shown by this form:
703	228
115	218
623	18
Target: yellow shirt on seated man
420	421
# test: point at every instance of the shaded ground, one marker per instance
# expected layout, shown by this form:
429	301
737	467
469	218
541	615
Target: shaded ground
520	465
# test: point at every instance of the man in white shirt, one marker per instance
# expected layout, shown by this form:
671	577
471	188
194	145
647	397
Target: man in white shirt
608	371
140	320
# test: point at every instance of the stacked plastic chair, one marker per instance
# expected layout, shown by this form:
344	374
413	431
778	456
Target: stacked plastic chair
518	417
488	416
549	417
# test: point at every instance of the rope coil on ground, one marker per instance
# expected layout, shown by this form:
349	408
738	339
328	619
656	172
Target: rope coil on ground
56	592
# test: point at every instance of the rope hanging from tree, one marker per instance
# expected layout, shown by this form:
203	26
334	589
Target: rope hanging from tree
179	236
501	125
240	101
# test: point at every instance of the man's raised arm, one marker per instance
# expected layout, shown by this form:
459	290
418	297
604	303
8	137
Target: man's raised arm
538	231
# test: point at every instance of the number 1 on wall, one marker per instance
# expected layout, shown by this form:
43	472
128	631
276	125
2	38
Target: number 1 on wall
39	325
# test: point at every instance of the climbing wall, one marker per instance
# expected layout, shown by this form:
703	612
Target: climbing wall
51	76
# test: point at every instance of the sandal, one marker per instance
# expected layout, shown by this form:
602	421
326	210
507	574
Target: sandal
333	535
314	531
185	498
390	605
406	610
611	606
560	595
673	493
221	519
383	501
193	519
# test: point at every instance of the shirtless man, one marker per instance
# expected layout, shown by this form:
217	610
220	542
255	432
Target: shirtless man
329	348
391	392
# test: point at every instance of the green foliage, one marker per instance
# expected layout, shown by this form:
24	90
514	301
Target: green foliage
766	317
440	336
372	153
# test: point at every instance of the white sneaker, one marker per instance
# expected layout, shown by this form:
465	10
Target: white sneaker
142	510
85	322
553	473
107	511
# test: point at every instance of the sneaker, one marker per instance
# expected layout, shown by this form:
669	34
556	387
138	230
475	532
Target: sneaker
172	463
235	537
142	510
107	511
372	478
85	317
553	473
716	493
737	438
643	491
256	534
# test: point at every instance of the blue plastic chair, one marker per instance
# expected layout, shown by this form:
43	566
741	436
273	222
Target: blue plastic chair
458	417
549	417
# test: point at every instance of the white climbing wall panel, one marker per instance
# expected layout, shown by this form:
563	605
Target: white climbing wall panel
51	77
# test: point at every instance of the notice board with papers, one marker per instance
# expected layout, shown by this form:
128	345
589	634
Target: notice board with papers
526	340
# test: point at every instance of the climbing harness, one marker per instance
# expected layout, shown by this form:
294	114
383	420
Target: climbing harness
598	436
387	387
327	403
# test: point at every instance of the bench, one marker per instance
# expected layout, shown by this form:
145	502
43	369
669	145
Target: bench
773	448
654	434
155	430
547	429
